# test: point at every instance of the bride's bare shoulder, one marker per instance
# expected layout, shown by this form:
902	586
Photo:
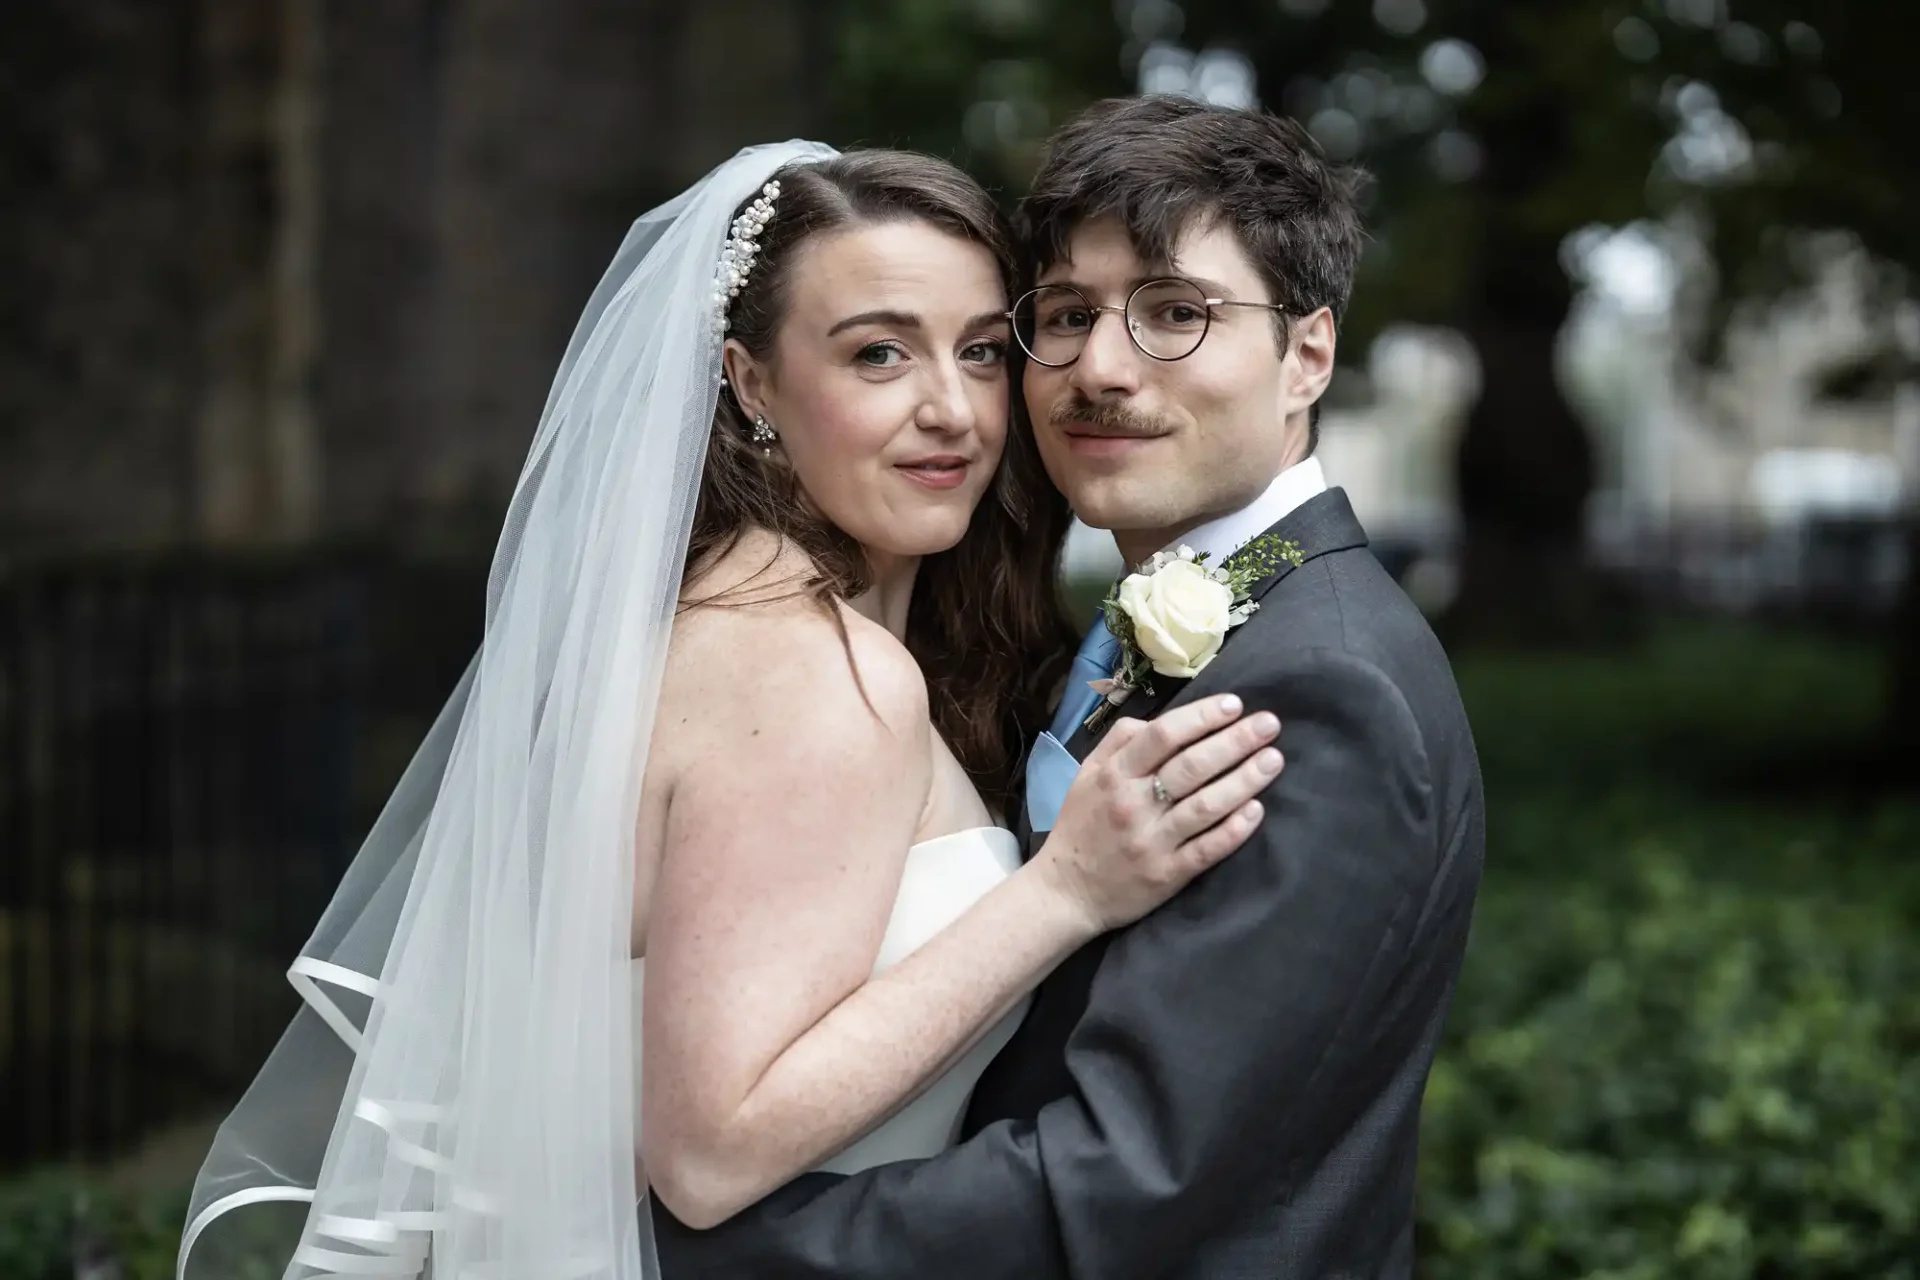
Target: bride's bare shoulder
750	638
757	568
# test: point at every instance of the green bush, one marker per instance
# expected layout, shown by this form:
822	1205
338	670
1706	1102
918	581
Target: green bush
49	1219
1687	1040
1667	1076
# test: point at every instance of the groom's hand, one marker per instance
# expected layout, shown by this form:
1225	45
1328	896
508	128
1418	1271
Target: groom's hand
1157	803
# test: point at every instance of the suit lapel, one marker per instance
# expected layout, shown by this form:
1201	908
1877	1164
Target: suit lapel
1320	526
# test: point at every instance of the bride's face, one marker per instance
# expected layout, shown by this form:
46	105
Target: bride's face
887	382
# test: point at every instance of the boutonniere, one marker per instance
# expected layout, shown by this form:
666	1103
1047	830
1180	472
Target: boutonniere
1173	613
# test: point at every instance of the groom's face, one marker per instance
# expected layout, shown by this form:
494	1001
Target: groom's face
1149	448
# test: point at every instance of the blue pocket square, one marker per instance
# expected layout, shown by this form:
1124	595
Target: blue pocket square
1050	771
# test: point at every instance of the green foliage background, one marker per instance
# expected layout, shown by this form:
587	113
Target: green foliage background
1687	1042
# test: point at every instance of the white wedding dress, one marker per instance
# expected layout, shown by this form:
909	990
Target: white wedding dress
941	879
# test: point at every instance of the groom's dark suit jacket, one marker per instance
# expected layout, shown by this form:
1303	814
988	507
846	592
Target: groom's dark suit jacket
1230	1087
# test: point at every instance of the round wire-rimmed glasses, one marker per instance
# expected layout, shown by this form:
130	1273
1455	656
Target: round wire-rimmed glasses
1167	320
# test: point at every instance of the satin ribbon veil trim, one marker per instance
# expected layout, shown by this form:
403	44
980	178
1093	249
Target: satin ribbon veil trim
393	1244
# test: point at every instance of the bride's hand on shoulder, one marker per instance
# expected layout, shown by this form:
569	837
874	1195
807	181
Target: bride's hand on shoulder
1155	804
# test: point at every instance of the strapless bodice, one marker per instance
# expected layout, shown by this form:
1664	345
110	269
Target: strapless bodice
941	879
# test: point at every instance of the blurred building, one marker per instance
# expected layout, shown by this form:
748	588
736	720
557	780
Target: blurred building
1740	485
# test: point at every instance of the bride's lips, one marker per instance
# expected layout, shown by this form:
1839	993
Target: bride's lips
941	471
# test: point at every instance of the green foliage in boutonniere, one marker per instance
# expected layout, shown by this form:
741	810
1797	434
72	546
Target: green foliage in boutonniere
1261	559
1172	614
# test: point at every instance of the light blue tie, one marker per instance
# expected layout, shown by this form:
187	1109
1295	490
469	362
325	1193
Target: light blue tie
1094	661
1050	766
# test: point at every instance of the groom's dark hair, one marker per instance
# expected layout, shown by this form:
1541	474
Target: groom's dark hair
1158	164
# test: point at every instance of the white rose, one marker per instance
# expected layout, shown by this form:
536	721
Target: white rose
1180	615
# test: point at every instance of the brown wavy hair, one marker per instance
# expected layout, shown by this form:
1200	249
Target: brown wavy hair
986	622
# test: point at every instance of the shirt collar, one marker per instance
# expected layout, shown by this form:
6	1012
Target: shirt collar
1291	489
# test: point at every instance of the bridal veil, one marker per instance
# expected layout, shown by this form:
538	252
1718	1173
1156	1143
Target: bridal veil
456	1096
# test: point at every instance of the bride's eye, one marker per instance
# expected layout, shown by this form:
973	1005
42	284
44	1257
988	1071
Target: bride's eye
987	351
875	355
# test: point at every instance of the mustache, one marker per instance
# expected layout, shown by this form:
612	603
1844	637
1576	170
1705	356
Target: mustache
1115	416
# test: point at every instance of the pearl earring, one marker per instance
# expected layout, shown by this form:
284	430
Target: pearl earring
763	433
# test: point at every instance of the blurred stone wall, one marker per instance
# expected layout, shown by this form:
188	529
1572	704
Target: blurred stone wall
96	275
280	270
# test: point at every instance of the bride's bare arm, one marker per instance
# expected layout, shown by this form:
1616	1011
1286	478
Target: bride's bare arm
786	835
768	1043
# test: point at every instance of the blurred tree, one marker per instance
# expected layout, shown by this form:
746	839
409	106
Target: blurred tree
981	82
1477	119
1829	113
97	157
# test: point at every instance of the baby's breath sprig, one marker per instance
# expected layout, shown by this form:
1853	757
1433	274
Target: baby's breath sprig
1260	560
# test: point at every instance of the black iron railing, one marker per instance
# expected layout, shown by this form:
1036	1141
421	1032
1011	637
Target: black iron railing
177	799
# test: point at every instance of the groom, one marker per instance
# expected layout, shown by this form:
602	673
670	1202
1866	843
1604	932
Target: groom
1230	1087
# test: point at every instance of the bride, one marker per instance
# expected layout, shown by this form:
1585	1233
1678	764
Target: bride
771	617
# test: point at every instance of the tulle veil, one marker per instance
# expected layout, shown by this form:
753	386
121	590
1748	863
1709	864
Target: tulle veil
456	1097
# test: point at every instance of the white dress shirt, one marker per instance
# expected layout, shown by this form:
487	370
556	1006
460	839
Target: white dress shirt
1290	490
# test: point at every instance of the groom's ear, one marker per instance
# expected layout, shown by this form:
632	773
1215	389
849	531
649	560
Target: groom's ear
1311	367
747	377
